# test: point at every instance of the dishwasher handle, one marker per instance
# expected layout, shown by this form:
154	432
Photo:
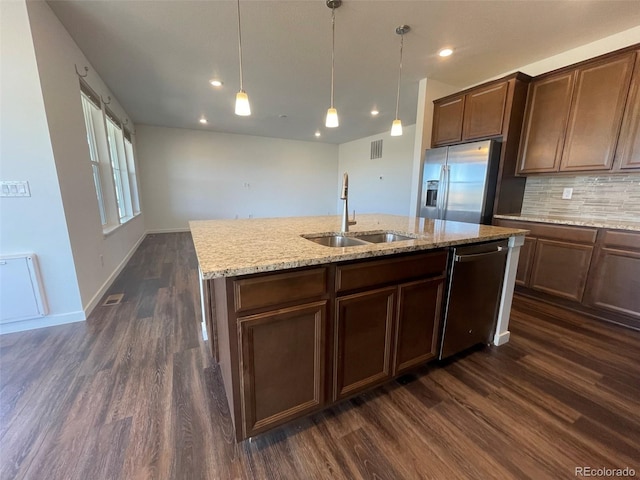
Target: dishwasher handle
477	256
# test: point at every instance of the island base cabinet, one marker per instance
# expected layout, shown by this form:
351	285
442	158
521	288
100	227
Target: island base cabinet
419	313
363	340
282	363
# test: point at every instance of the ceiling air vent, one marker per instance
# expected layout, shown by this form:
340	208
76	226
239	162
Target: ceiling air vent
376	149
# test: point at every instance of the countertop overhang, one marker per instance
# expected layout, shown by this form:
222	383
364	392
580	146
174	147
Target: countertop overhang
575	221
228	248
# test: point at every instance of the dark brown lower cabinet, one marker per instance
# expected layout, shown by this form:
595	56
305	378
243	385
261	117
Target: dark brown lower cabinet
418	321
591	270
282	364
561	268
295	341
614	282
526	261
363	340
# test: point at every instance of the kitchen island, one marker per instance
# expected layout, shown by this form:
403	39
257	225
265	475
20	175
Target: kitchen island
297	326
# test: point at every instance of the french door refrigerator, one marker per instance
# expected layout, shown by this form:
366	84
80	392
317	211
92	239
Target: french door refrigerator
459	182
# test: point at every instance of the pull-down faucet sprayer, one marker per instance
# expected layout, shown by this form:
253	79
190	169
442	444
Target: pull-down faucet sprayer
345	210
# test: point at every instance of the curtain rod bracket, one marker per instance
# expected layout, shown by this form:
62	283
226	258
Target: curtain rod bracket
105	102
86	71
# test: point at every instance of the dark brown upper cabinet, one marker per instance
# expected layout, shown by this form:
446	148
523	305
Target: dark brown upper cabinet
573	117
470	116
484	112
545	121
599	98
447	121
628	149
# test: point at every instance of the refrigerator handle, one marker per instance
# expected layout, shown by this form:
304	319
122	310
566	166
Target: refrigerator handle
445	196
441	193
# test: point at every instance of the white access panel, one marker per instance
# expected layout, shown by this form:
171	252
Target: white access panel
21	292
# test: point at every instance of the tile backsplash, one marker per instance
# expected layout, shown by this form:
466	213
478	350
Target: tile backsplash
611	197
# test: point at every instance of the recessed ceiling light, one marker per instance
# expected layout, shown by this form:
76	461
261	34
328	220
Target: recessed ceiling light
445	52
203	120
374	112
215	82
317	134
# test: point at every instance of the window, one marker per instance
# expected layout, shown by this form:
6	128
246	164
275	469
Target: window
111	153
91	111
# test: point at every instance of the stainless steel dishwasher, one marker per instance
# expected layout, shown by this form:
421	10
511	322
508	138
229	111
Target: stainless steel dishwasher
476	274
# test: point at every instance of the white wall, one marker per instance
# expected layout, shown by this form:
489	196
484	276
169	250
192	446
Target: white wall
57	54
381	185
193	175
37	223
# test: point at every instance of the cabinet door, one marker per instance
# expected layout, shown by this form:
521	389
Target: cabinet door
484	112
363	340
447	122
628	149
596	114
282	365
561	268
526	261
614	283
545	122
419	312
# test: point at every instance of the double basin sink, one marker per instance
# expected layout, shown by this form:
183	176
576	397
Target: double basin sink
357	239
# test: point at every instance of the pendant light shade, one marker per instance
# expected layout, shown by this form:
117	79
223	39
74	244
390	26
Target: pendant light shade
242	104
242	99
332	118
396	126
332	114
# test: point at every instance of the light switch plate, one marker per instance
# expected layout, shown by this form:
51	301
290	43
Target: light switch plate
567	193
14	189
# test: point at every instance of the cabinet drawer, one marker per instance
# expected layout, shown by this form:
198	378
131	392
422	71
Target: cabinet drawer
274	289
380	272
624	240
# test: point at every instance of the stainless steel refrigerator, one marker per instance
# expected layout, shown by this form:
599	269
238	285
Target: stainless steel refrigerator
459	182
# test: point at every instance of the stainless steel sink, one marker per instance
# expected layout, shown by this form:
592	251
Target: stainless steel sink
383	237
353	240
337	241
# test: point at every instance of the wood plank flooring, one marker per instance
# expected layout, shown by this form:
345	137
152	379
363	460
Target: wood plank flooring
133	394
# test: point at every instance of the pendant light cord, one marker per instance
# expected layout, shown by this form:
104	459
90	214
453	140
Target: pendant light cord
333	47
240	45
399	75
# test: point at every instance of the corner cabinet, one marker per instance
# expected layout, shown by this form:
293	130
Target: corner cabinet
293	342
573	117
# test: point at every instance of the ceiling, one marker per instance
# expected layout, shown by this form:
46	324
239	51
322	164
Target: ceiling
158	56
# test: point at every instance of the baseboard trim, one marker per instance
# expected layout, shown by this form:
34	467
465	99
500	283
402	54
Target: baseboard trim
93	303
168	230
41	322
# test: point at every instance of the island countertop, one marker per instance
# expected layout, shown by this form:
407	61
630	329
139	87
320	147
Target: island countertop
227	248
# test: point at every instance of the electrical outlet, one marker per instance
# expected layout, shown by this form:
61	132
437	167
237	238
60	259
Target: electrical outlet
567	193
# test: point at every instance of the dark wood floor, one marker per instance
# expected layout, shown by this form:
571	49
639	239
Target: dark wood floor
133	394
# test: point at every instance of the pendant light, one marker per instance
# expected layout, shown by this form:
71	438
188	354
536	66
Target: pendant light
332	114
242	99
396	126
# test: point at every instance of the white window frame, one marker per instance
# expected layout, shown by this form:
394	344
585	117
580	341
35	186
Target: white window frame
90	111
112	157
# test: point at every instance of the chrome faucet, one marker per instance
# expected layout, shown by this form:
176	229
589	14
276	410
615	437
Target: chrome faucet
345	210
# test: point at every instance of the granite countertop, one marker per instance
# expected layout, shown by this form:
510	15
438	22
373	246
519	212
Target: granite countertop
581	222
228	248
